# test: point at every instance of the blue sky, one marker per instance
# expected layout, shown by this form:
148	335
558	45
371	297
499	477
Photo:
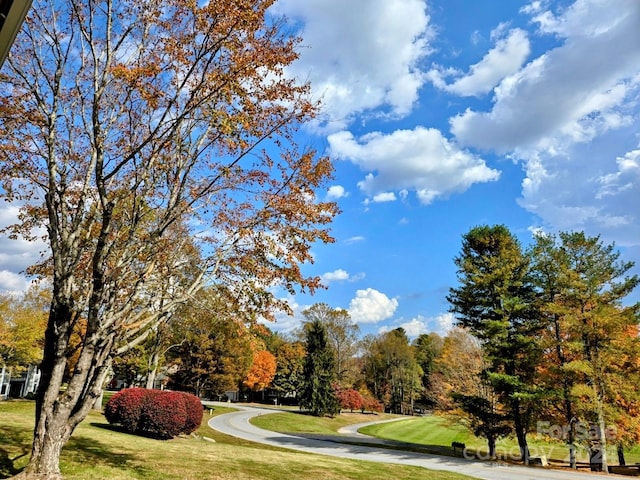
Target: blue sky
446	114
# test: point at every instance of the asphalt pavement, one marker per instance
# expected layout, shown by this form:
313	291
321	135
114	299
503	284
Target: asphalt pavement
359	447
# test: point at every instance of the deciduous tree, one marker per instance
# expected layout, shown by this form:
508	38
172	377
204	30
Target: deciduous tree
349	399
214	345
342	334
457	369
290	359
391	371
556	339
584	285
262	371
123	119
22	324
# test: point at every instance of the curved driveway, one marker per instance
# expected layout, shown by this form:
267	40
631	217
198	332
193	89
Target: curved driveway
237	424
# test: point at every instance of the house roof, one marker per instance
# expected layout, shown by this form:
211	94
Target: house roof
12	14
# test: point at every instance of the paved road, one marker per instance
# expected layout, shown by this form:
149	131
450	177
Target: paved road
237	424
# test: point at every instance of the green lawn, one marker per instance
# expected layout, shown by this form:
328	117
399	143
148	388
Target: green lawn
299	422
431	433
441	431
98	451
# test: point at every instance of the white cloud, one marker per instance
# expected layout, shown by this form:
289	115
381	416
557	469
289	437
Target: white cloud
421	160
444	322
362	54
16	255
440	324
336	275
625	179
384	197
414	327
340	275
571	117
571	93
13	282
598	196
336	191
288	323
503	60
371	306
356	239
586	18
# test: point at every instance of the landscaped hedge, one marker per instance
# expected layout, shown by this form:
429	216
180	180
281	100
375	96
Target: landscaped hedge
162	414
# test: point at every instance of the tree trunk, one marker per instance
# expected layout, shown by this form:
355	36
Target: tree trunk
602	434
151	379
524	447
521	435
521	432
621	460
571	434
572	453
50	435
492	447
59	412
152	369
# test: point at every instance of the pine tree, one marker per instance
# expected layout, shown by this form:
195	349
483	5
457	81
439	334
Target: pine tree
496	302
318	395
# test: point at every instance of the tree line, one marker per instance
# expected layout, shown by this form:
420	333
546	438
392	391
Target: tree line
559	342
543	337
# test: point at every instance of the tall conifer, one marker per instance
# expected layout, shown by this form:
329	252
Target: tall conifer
318	394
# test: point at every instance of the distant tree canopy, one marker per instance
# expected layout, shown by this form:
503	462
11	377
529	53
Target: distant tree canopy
262	371
391	371
23	320
342	335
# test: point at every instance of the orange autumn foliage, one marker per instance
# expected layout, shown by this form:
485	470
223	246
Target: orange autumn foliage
262	371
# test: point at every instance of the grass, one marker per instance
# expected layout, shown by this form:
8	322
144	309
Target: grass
299	422
432	434
441	431
99	451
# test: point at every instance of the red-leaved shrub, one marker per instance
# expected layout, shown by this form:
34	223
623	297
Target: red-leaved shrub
125	408
162	414
349	399
194	413
371	404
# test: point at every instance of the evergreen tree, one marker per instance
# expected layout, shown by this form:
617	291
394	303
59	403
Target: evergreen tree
496	302
427	349
318	395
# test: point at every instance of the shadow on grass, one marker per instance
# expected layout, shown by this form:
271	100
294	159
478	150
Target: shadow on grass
119	429
88	451
15	445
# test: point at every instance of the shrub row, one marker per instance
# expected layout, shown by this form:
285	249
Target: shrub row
162	414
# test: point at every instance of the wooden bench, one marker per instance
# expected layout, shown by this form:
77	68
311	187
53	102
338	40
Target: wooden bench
458	445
